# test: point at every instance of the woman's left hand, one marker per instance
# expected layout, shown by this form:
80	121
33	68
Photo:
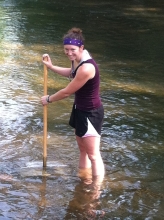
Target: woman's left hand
44	100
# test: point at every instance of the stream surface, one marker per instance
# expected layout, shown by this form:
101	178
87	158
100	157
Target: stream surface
126	40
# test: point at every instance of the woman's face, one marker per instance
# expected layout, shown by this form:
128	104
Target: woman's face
73	52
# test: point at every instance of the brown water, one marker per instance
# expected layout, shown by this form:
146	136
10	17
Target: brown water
126	39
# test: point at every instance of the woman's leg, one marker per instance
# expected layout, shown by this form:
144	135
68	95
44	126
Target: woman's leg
84	161
90	150
85	171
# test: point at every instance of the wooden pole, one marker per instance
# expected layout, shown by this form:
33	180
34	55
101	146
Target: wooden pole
45	120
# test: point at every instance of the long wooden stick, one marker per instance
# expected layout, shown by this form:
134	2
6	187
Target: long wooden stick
45	120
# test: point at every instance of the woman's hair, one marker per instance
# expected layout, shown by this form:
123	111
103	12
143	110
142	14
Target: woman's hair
74	33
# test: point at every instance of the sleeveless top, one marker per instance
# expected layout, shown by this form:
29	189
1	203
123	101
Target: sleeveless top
87	97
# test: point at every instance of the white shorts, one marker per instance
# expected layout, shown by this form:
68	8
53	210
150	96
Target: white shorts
91	131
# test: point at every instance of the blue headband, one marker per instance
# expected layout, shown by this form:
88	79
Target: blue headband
75	42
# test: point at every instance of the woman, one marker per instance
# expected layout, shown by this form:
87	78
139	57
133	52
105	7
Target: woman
87	113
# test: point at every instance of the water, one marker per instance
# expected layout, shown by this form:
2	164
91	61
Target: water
126	39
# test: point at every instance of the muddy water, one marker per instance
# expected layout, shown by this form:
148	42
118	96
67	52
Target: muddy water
126	39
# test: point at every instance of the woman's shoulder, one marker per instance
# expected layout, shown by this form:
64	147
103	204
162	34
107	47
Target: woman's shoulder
87	69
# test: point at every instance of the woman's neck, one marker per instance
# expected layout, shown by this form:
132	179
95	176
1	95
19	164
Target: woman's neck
81	57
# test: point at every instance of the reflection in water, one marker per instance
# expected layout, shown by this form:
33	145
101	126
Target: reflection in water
85	203
126	39
43	203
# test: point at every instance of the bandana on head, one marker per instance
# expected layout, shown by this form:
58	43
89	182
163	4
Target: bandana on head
71	41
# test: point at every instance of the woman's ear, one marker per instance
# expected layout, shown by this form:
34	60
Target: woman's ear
82	47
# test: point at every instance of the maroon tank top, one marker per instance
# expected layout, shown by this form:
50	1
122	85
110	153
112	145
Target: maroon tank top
88	97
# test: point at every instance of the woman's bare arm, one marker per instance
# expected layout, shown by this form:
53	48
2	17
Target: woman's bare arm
57	69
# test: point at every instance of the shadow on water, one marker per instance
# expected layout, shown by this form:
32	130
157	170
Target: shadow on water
126	39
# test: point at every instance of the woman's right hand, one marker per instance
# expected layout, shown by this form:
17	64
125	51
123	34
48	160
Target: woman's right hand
47	60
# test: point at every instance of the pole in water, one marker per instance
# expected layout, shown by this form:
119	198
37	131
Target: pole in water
45	120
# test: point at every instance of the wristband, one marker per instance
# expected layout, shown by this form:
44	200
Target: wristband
48	99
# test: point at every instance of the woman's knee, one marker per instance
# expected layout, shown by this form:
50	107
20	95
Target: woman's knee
92	157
